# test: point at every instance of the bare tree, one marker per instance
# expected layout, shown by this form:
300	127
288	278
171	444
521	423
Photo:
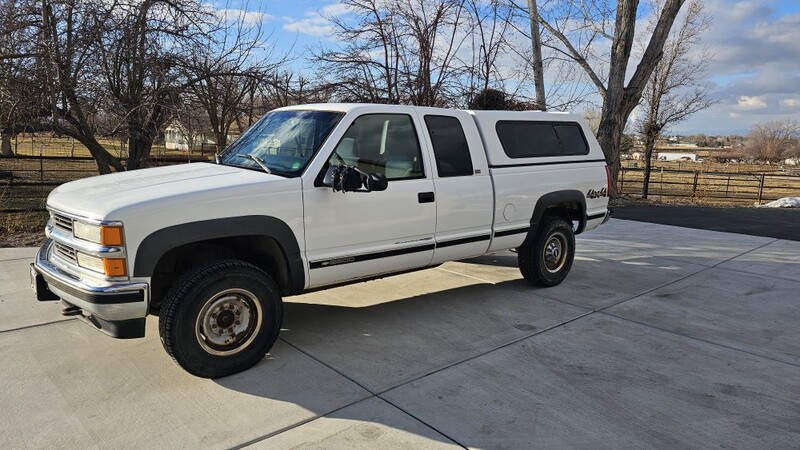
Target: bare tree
229	66
774	140
578	27
142	51
21	99
428	65
676	89
190	122
396	51
68	34
367	69
536	55
488	26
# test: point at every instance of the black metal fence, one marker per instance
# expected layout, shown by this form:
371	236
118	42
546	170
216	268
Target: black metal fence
25	181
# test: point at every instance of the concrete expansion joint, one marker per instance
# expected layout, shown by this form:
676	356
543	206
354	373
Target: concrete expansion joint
746	252
27	327
371	395
297	424
705	341
28	258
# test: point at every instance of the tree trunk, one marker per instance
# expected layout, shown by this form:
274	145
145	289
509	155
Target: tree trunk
138	149
536	47
105	161
649	144
139	145
5	145
620	100
609	135
221	139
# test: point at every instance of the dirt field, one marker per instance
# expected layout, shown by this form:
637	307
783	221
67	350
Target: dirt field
41	165
52	146
712	188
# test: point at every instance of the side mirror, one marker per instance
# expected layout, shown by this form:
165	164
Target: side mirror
349	179
342	178
376	182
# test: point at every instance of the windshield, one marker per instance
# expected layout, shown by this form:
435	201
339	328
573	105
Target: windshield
283	141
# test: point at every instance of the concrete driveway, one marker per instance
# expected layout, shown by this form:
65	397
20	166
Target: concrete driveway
660	337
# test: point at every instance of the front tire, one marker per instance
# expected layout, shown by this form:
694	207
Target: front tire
220	318
546	258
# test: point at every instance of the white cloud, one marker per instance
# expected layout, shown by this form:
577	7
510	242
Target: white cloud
791	102
755	72
315	22
312	26
247	17
749	103
334	9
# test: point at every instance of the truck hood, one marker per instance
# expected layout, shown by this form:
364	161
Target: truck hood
102	196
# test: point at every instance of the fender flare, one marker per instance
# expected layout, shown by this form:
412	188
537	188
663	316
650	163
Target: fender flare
555	198
158	243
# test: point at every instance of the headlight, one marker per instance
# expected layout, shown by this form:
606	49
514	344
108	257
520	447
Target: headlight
99	234
111	267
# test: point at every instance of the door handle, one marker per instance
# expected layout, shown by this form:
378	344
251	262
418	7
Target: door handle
425	197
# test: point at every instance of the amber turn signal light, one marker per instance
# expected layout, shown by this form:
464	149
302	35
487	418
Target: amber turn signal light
114	267
111	235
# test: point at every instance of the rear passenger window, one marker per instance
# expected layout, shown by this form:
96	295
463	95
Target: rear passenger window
449	146
526	139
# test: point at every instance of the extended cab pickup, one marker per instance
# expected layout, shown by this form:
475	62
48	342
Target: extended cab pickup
314	196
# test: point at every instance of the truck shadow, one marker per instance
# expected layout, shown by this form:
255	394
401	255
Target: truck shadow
383	344
398	346
386	345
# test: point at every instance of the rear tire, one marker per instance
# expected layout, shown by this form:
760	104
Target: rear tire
546	258
220	318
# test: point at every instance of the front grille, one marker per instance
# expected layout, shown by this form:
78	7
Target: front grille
67	253
62	221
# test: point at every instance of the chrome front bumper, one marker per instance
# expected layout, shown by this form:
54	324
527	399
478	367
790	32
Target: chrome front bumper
116	308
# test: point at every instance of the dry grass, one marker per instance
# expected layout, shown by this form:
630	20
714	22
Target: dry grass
27	145
710	166
732	189
22	229
33	179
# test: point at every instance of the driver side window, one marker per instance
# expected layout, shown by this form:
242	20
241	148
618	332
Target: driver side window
381	143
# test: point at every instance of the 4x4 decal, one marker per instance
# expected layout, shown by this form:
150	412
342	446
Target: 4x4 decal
597	194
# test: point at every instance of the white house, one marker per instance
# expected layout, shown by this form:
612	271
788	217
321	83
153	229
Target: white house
674	156
177	138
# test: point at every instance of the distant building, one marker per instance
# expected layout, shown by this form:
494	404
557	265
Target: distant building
671	156
177	138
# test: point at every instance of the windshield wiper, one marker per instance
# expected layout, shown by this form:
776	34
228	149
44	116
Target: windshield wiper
258	161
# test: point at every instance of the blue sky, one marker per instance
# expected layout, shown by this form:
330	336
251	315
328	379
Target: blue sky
755	75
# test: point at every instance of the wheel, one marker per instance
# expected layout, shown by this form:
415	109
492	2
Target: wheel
546	258
220	318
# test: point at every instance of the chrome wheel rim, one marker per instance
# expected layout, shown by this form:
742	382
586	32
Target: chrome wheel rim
228	322
554	253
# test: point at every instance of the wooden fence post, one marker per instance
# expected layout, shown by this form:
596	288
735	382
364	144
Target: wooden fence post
621	180
41	166
694	186
760	188
727	186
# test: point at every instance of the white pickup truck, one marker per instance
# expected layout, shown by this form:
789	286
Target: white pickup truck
309	197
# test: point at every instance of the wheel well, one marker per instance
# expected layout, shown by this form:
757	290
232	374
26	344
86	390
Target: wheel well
570	211
262	251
